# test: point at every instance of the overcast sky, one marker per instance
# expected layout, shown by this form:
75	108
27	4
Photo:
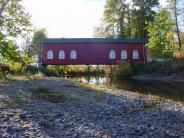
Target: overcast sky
66	18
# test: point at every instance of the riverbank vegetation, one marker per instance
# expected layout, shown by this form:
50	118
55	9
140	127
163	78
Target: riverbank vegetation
162	28
173	67
121	19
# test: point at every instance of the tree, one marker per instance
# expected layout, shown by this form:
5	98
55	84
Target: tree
175	9
142	12
113	23
14	21
161	37
8	50
126	20
35	46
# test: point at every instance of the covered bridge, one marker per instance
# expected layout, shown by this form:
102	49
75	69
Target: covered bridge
91	51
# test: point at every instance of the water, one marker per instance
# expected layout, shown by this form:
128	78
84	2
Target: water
174	91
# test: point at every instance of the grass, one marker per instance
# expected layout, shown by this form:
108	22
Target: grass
13	102
99	91
46	94
41	90
19	101
74	98
56	98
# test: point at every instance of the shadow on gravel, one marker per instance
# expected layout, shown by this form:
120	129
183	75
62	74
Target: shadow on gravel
82	112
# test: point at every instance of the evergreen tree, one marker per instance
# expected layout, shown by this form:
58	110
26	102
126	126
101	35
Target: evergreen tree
113	23
143	12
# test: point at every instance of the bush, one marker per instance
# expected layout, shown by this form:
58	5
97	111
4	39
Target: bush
4	68
15	67
32	69
47	72
123	69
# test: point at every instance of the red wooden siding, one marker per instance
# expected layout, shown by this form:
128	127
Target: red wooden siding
90	53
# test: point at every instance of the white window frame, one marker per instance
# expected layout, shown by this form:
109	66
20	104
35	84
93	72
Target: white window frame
50	54
73	54
61	54
124	54
112	54
135	54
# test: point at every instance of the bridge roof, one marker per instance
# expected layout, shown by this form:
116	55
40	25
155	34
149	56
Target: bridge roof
93	40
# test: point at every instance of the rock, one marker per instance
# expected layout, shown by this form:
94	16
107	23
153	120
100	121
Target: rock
23	115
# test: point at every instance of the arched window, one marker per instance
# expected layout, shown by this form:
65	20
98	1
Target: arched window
73	54
61	54
135	54
112	54
50	54
123	54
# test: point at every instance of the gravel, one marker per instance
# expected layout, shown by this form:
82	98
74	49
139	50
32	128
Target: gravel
111	113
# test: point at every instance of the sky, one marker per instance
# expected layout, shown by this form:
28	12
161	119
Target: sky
66	18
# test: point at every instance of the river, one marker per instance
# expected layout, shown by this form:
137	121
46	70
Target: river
174	91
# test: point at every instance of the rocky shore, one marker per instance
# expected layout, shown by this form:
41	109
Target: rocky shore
55	107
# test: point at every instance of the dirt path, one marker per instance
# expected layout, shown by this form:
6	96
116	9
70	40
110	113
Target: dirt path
55	107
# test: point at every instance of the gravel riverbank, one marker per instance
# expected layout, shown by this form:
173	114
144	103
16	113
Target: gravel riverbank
55	107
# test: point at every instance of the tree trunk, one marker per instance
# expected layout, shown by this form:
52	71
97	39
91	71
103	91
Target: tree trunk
176	21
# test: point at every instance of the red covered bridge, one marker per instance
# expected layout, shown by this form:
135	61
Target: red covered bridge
91	51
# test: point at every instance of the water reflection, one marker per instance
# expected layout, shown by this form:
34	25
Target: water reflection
173	91
94	80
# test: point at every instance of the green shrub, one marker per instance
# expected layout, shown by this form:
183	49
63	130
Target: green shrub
138	67
123	69
4	69
32	69
15	67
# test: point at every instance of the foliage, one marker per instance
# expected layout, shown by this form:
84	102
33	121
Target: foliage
176	9
161	41
114	19
8	50
164	68
15	67
142	12
4	68
75	70
122	19
14	21
39	75
37	37
13	18
123	69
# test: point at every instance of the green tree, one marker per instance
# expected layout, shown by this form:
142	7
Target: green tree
37	37
126	20
113	23
14	21
142	12
161	37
